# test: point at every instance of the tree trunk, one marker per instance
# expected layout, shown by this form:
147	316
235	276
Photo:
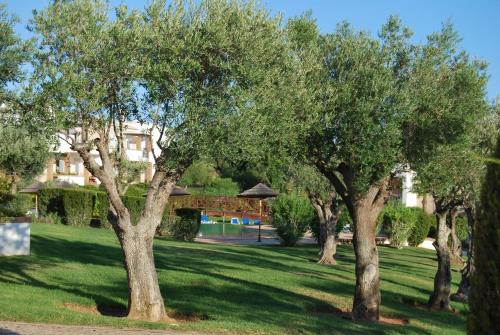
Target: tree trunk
145	300
367	294
456	245
440	298
13	183
322	229
468	269
330	244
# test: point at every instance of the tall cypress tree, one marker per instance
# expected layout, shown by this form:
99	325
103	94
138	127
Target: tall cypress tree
484	317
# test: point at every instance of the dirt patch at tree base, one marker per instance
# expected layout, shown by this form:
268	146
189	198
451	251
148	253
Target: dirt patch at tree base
172	317
346	314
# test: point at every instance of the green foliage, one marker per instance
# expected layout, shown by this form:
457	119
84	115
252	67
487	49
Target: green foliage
78	207
291	215
485	287
421	228
397	221
5	187
199	174
185	225
222	186
461	228
12	52
16	205
23	154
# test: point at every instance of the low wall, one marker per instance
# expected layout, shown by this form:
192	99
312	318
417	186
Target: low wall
14	239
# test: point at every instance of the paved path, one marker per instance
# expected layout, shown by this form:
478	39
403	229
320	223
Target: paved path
21	328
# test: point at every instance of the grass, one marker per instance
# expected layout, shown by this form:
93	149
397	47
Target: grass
233	289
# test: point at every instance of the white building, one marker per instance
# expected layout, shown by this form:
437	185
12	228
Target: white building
403	190
67	166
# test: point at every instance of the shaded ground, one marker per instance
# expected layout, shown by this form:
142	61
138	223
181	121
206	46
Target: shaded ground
235	289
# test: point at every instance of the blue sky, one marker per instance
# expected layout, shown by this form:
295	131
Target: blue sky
475	20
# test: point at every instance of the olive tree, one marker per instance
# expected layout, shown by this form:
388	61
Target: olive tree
449	93
23	153
366	114
202	75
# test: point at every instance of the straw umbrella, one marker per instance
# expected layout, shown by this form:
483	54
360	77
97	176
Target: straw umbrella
259	191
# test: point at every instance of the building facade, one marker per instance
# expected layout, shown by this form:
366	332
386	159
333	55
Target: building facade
65	165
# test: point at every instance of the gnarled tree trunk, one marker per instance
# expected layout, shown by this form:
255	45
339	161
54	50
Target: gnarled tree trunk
145	299
456	245
468	269
329	249
440	297
367	293
364	209
328	214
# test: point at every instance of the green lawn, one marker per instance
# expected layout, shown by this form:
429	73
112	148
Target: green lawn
235	289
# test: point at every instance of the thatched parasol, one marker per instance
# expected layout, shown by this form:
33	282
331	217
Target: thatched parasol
259	191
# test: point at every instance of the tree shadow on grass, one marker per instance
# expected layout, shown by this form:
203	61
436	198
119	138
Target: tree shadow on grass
225	296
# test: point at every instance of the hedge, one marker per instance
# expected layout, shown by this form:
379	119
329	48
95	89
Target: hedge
78	207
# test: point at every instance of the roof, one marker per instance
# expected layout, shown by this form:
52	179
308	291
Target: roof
37	186
258	191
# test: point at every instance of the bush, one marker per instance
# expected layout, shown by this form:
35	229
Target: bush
51	218
184	226
78	207
397	221
421	228
291	215
16	205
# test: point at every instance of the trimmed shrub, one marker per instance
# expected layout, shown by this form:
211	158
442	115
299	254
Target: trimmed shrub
421	228
291	215
78	207
185	225
50	218
397	221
